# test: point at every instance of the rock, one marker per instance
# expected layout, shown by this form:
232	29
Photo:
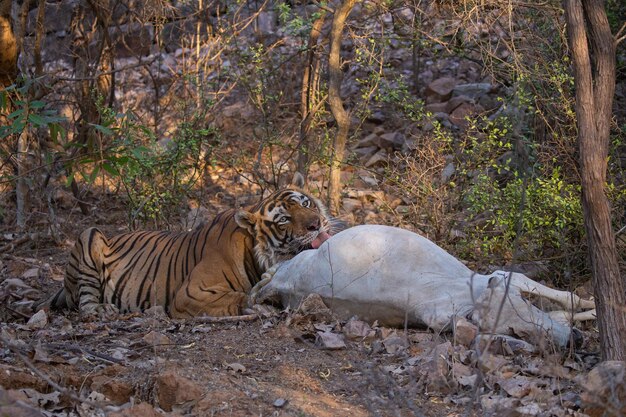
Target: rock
313	306
267	22
368	141
279	403
490	363
437	368
367	178
530	409
448	172
455	102
12	404
132	39
351	204
379	158
157	312
466	110
364	154
119	392
236	367
39	320
437	107
330	340
155	338
472	90
464	331
495	405
517	386
358	330
439	90
392	141
503	344
173	389
31	273
137	410
467	381
605	389
394	344
377	117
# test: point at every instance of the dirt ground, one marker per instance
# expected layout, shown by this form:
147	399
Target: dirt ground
237	368
296	363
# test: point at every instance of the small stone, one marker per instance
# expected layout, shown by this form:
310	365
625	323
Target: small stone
472	90
119	392
440	90
466	110
155	339
379	158
605	389
31	273
279	403
437	107
392	141
330	341
237	367
368	141
351	204
313	306
137	410
173	389
448	172
39	320
395	344
358	330
464	331
517	386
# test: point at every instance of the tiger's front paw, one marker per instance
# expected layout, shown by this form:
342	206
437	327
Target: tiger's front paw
253	296
99	311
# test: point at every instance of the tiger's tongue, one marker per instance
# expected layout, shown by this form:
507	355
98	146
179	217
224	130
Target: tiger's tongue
321	238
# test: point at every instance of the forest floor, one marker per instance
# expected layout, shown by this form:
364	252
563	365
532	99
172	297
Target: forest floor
298	363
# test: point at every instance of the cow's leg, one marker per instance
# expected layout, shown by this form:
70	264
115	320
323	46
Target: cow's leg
568	300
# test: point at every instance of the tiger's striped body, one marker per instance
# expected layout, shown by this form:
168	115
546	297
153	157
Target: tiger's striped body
207	271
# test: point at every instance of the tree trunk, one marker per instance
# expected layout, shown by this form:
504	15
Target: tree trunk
594	99
342	117
8	46
309	94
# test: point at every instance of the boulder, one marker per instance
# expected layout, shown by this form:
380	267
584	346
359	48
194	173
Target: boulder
175	390
439	90
605	390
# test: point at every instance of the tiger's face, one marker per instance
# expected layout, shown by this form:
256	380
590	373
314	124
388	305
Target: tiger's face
284	224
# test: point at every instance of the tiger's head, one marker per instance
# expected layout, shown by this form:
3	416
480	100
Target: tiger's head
286	223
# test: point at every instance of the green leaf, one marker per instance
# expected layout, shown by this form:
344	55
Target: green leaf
103	129
17	113
37	120
110	169
70	179
36	104
94	174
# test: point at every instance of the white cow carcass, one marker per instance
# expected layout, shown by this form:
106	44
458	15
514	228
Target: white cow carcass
395	276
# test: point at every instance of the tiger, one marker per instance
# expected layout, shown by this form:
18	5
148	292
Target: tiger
208	271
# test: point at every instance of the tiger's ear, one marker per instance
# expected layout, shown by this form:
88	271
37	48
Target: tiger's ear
245	220
298	180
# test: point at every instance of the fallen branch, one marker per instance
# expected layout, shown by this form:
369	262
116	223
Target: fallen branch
9	247
227	319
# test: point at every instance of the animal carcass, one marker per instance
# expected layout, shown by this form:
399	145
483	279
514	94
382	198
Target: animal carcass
395	276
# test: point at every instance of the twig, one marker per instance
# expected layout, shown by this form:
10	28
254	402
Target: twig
76	348
227	319
65	391
19	241
618	37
